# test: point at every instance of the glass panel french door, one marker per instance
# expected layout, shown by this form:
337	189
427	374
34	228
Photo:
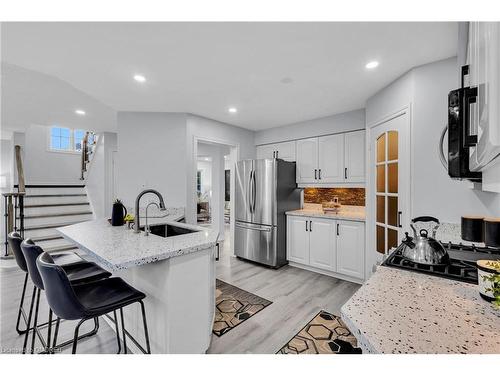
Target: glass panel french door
389	186
387	213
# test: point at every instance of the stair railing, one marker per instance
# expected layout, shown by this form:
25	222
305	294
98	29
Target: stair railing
14	201
88	145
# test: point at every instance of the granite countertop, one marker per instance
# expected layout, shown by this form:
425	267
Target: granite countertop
353	213
398	311
119	248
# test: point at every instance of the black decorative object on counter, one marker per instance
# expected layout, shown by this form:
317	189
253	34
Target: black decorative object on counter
118	214
492	232
472	228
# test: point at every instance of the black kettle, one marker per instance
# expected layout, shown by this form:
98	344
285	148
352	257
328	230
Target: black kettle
118	214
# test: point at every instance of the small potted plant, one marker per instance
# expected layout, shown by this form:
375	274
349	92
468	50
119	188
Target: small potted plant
489	280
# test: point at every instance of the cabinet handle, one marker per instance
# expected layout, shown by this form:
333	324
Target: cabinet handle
315	174
310	226
319	173
274	154
306	226
277	154
338	234
399	225
345	173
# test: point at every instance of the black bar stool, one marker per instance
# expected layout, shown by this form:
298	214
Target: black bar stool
14	239
80	272
88	301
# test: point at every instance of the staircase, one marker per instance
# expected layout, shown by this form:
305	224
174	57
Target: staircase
47	207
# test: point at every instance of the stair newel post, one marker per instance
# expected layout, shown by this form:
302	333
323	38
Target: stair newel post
6	216
15	213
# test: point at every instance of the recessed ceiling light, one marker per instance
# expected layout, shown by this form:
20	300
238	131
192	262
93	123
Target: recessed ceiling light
80	112
371	65
140	78
232	110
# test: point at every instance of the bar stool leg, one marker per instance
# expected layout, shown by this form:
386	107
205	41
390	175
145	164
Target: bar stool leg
47	346
20	332
75	337
146	334
123	332
29	320
56	331
117	333
35	322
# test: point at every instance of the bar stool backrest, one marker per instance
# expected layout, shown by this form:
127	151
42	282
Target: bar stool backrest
15	240
31	252
60	294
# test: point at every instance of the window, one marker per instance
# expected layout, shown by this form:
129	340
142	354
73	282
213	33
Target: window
64	139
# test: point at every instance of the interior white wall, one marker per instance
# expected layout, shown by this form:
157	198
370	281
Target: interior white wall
42	166
152	154
425	89
200	128
342	122
99	177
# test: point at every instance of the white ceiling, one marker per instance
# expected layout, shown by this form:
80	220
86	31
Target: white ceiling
204	68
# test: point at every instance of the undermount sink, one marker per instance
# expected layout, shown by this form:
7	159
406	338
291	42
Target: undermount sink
167	230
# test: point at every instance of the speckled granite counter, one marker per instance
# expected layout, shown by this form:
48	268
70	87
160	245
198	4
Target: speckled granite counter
119	248
399	311
176	273
352	213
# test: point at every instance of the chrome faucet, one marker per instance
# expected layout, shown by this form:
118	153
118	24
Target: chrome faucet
147	229
137	200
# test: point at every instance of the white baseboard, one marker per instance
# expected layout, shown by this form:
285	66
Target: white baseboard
326	272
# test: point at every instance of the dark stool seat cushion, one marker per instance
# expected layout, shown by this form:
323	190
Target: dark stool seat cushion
85	272
103	296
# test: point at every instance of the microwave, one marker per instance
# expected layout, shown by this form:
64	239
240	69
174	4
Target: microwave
460	139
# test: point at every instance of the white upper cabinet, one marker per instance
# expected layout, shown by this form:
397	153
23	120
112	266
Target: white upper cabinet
265	152
282	150
337	159
354	157
351	248
331	158
307	160
322	243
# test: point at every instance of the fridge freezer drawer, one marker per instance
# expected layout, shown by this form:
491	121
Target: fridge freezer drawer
256	243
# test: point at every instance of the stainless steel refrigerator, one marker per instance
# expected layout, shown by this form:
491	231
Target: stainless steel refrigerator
265	189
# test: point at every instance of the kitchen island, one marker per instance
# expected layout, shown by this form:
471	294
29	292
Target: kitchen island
398	311
177	274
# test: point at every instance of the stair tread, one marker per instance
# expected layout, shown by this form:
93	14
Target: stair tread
43	186
53	195
57	214
56	205
60	248
47	238
49	226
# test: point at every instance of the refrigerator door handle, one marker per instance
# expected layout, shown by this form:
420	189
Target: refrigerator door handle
254	191
259	228
249	197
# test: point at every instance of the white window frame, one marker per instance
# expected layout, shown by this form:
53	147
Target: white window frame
71	141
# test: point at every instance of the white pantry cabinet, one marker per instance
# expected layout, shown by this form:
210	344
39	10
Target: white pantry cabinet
282	150
329	246
337	159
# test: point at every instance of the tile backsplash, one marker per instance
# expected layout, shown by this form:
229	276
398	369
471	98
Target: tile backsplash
347	196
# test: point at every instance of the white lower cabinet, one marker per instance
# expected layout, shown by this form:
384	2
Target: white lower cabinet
351	248
322	244
334	246
298	239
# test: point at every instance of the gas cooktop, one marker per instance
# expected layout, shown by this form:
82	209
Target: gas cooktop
461	267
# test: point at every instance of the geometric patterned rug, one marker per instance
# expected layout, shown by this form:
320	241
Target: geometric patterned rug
233	306
324	334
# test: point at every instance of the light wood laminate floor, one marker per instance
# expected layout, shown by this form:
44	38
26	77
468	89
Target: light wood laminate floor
297	296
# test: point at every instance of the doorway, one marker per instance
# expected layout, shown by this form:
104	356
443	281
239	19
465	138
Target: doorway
388	186
214	165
